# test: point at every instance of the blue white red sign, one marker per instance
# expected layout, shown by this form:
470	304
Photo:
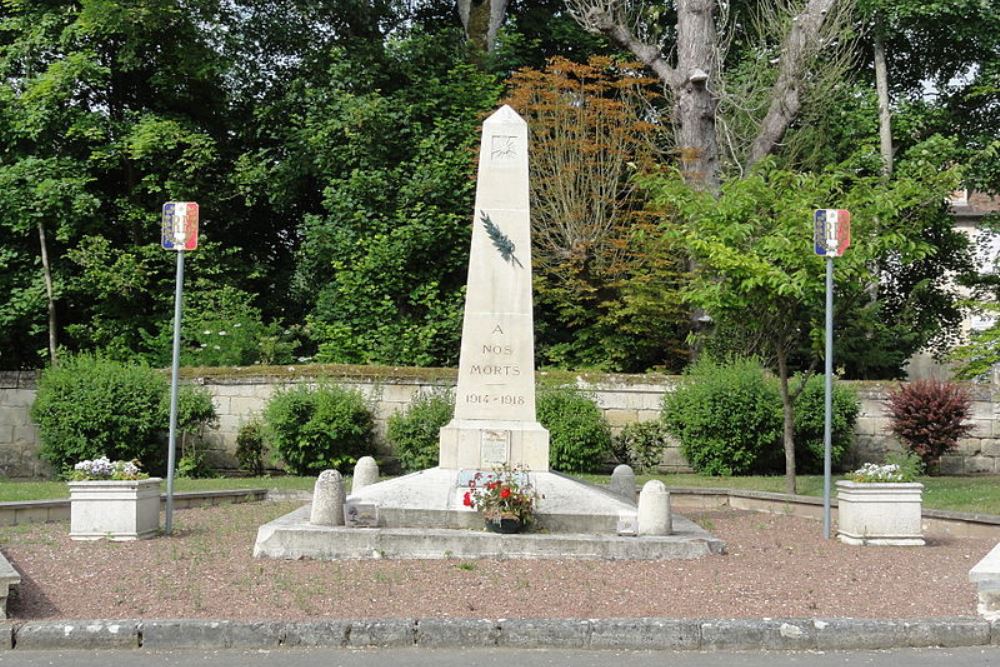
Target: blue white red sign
180	225
832	232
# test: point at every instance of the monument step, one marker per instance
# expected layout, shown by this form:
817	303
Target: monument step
292	537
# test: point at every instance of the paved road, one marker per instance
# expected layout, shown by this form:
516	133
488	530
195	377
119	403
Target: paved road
962	657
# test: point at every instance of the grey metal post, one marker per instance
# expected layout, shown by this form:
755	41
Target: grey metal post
828	400
174	370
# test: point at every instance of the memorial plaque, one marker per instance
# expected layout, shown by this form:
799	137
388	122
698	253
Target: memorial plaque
494	449
361	515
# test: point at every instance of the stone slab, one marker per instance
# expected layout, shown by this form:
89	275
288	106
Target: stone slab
292	537
432	498
457	633
545	633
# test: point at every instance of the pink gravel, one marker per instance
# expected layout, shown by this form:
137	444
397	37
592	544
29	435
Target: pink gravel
775	566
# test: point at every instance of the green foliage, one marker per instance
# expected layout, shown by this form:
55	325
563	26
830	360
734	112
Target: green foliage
89	406
195	412
251	447
640	445
579	436
414	433
314	429
809	413
381	266
929	416
726	417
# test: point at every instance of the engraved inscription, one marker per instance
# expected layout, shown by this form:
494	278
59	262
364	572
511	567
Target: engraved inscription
494	448
512	370
503	148
505	350
494	399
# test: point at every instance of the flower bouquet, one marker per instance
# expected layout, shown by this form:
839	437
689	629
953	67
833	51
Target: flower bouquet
505	498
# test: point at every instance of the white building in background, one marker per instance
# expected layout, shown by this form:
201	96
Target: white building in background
969	210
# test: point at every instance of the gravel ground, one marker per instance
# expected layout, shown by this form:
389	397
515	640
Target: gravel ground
775	566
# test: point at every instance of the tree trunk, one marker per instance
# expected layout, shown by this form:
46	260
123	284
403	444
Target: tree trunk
884	114
47	274
694	103
788	414
481	20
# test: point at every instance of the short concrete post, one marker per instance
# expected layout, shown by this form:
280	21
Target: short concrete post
328	500
654	509
365	474
623	483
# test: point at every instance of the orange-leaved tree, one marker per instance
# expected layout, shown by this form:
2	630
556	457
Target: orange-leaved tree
605	280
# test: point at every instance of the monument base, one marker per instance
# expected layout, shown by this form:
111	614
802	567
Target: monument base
422	515
481	445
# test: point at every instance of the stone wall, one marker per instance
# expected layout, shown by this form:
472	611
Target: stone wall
18	447
241	394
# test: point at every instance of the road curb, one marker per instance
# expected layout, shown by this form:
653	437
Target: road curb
615	634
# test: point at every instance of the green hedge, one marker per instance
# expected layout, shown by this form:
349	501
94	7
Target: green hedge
414	433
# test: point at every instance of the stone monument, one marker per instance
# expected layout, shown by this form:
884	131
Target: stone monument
423	514
495	421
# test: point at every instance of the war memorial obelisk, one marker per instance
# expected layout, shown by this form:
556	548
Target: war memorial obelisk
495	421
422	515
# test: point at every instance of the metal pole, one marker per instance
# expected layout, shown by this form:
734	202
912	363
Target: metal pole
175	366
828	400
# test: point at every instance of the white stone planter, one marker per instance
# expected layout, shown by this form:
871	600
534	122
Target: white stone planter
880	513
116	510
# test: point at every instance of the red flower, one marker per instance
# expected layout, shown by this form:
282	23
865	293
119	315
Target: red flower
505	492
467	499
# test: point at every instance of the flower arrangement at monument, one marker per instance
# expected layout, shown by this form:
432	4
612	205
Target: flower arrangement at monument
505	498
103	468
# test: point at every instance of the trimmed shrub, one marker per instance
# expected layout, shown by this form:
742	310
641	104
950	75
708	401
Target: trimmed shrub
929	417
89	406
727	418
414	434
195	412
314	429
809	414
251	447
640	444
579	436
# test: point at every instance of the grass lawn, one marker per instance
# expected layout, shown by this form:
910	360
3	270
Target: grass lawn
22	490
962	494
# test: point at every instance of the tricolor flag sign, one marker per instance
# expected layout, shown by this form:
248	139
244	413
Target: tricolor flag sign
180	225
832	233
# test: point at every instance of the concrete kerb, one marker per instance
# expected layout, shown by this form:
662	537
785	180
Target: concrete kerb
597	634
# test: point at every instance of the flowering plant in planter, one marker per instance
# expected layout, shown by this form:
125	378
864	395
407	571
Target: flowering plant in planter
898	468
506	493
102	468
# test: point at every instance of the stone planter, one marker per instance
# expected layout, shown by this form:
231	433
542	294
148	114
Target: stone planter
116	510
887	514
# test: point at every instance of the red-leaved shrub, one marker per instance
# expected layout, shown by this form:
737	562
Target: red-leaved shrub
929	417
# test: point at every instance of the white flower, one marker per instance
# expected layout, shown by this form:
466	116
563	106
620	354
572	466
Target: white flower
237	325
216	347
222	333
207	332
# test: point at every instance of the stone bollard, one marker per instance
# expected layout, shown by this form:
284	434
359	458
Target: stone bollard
623	483
365	474
654	509
328	500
